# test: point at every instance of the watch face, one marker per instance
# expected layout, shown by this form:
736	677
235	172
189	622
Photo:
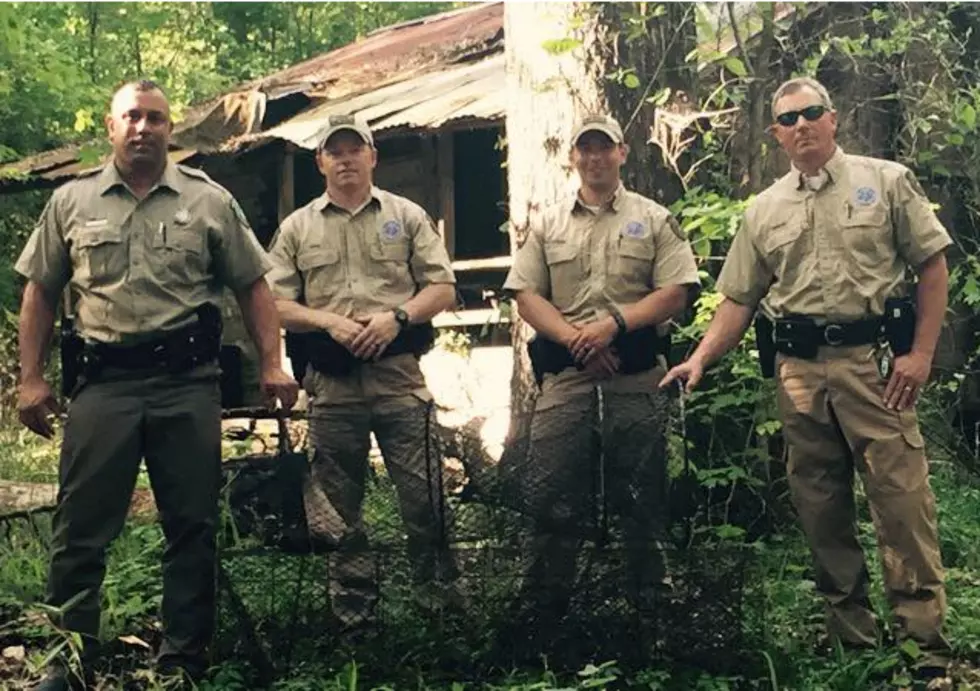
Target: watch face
401	316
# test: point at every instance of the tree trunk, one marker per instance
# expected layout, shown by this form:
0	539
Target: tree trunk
547	92
651	42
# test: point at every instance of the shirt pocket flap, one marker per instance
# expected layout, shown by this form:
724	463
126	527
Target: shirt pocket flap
394	251
318	256
636	248
559	252
783	234
869	216
186	239
88	237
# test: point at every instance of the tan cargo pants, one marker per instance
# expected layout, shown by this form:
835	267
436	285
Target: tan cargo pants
834	422
340	443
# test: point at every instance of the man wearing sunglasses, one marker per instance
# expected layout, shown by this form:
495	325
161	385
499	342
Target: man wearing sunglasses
823	254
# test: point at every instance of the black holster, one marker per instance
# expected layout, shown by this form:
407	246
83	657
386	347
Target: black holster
70	350
328	357
637	352
900	324
766	345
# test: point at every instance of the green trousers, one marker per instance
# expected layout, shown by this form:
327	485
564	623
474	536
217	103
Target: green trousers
173	422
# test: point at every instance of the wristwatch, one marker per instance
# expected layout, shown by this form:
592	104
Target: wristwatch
401	316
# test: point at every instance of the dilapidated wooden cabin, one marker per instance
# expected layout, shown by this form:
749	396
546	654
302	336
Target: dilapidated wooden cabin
432	90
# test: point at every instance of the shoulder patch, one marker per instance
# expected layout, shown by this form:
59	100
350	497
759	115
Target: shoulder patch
240	213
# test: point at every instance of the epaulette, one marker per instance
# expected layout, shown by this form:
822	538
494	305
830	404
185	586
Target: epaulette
194	172
89	172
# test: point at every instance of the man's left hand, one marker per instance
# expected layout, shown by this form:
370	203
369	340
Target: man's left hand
592	338
276	384
910	373
379	331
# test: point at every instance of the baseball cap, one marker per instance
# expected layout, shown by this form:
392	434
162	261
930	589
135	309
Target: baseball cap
336	123
599	123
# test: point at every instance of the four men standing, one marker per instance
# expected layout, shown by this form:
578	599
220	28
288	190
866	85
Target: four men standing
145	246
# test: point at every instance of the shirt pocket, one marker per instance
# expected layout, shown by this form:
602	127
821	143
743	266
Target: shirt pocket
389	264
393	251
320	269
563	268
634	260
179	250
867	234
100	254
787	248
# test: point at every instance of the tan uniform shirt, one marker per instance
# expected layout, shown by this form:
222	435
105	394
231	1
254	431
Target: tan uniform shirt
836	253
585	262
354	264
138	268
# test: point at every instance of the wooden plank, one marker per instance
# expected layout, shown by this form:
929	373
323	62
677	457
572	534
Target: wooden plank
504	262
287	182
447	190
477	317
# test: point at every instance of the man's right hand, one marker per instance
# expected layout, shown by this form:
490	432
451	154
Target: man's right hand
35	403
690	372
343	330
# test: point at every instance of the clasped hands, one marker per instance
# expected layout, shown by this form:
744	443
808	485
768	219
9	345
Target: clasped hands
590	347
366	336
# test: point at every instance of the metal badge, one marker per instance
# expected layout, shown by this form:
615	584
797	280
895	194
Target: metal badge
885	361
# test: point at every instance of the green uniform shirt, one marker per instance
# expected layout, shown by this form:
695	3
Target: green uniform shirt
138	268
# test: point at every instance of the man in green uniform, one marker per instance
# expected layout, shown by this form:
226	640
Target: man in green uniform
144	247
596	277
823	252
364	271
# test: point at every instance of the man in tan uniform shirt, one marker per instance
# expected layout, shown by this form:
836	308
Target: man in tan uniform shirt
368	269
831	241
595	278
143	246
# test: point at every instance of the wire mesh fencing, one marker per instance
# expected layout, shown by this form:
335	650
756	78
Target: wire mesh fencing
561	549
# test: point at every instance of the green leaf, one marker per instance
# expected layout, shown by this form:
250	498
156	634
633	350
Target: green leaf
559	46
910	648
968	116
83	119
631	81
736	67
660	98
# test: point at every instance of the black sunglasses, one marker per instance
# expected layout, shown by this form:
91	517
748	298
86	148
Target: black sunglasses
810	113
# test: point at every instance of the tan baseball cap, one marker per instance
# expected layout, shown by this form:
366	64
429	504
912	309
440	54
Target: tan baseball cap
354	123
599	123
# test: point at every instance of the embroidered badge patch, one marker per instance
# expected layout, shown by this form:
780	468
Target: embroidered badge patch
865	196
391	230
634	229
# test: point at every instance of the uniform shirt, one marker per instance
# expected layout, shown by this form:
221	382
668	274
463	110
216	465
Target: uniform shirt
139	268
836	253
352	264
586	263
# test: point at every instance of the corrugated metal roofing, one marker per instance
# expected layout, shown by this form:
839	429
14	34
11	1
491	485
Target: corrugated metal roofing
469	92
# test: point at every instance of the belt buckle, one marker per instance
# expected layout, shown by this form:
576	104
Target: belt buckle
832	340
